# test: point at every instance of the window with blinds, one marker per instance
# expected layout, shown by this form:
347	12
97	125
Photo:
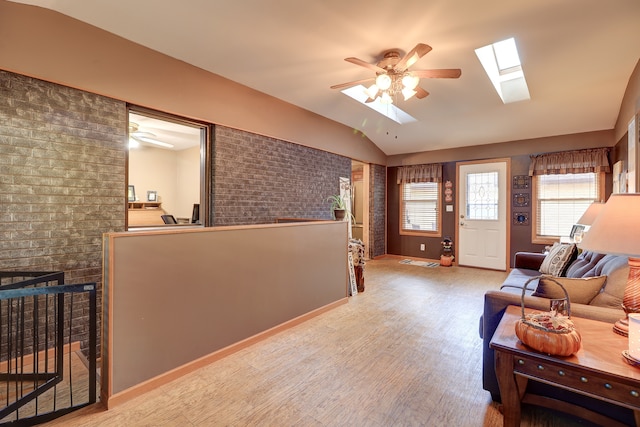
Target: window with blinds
420	208
560	200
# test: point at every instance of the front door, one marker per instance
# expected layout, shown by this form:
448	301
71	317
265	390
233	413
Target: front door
482	214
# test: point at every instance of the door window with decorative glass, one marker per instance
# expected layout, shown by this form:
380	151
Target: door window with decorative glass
420	208
482	196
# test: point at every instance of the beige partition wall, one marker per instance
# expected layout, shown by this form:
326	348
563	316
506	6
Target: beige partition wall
177	299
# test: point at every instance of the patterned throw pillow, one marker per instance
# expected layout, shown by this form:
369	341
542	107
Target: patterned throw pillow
558	259
580	291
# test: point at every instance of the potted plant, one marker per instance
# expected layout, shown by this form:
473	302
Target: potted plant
338	207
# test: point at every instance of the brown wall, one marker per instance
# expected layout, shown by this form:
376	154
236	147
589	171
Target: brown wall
176	297
53	47
527	147
630	104
518	152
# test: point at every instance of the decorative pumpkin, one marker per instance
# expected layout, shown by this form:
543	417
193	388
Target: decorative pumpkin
548	332
555	335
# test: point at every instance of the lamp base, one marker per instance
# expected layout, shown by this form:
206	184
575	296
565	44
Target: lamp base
622	327
631	298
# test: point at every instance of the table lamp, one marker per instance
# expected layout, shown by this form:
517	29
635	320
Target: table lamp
590	214
616	231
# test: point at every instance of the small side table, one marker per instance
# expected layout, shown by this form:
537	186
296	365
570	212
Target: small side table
597	370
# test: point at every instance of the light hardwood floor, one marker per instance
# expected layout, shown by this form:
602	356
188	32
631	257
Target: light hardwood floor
406	352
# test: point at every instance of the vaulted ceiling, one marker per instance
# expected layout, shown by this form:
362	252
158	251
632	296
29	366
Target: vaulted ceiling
577	56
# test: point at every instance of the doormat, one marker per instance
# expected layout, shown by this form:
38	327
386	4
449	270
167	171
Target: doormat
420	263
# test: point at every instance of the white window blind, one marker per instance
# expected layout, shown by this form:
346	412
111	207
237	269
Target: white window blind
562	199
420	206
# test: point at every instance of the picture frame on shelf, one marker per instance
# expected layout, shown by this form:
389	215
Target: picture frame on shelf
131	193
576	229
152	196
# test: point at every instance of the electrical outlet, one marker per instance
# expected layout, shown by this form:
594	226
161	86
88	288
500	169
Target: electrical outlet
422	247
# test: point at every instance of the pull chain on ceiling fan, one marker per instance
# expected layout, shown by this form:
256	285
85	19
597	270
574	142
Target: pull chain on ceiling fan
393	76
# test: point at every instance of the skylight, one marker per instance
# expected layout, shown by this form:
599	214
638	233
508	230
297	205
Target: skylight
502	64
388	110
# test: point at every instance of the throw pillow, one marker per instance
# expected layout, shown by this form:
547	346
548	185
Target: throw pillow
558	259
580	291
613	292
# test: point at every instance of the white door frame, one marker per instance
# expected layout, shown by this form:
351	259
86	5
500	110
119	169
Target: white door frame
508	214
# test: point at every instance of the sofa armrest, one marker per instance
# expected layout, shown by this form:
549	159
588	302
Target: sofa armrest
528	260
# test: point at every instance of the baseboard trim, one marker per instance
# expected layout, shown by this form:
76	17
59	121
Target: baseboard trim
139	389
401	257
42	355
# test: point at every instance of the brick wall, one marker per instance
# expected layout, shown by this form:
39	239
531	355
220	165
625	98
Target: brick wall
62	177
377	210
258	179
63	170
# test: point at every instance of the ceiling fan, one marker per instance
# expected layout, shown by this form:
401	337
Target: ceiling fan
140	136
393	76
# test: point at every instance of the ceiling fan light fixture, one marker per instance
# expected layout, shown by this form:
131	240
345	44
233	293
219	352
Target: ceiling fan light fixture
153	141
408	93
409	81
385	98
383	81
372	91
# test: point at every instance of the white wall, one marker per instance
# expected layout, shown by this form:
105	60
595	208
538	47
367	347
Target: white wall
175	175
188	181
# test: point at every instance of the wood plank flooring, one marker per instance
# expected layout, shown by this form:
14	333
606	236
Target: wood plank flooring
406	352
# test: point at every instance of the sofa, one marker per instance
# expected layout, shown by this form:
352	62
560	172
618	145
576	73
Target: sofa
604	304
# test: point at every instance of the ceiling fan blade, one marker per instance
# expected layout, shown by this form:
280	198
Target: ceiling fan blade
364	64
421	92
353	83
445	73
412	56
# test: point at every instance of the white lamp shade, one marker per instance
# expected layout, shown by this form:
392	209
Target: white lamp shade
591	213
410	81
386	98
383	81
408	93
372	91
616	230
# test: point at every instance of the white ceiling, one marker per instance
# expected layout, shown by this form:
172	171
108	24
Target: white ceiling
577	56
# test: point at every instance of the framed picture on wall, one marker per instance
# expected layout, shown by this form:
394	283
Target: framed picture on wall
131	193
152	196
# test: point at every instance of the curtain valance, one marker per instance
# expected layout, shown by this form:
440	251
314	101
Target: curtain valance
579	161
420	173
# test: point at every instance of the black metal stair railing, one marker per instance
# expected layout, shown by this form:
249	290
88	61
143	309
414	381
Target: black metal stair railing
48	347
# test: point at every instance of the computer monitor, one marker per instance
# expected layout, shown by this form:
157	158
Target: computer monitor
195	214
168	219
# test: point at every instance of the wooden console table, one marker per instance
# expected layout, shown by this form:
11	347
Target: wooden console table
145	213
597	370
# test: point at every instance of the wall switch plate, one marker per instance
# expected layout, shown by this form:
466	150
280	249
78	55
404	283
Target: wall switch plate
422	247
449	208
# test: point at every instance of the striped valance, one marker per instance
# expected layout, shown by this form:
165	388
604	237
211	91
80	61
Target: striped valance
420	173
580	161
